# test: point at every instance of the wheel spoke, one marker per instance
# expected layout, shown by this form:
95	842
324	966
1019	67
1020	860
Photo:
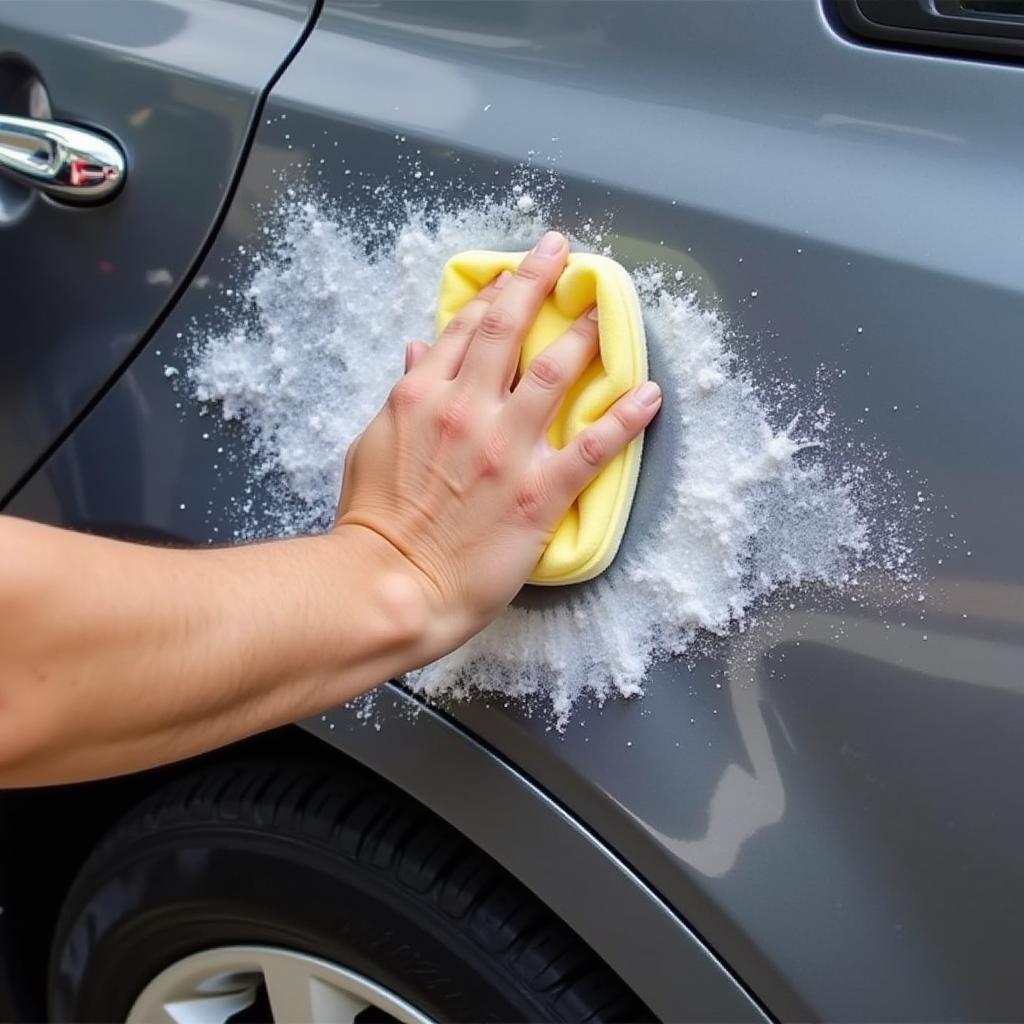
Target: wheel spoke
296	996
196	998
334	1004
215	985
213	1009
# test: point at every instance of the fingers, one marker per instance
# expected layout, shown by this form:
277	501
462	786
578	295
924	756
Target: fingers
414	352
543	386
445	356
493	353
571	468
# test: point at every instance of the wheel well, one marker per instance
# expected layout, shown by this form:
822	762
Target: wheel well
49	832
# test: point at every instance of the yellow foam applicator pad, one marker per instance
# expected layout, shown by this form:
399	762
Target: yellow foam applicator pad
586	540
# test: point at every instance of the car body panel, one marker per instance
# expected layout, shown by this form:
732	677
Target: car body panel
158	77
830	798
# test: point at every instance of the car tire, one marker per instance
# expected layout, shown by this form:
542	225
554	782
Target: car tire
331	862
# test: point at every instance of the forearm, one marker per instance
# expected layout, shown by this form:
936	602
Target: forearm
116	657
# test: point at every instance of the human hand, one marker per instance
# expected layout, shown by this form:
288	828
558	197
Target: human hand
455	478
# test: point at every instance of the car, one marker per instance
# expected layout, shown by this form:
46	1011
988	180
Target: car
812	812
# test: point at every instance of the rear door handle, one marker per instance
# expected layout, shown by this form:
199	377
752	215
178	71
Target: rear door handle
69	163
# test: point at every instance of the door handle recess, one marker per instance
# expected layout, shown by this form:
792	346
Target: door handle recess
69	163
992	29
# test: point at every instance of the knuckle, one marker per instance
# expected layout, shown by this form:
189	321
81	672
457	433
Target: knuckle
530	272
585	328
621	416
592	448
459	324
453	418
491	457
405	396
547	372
497	325
530	498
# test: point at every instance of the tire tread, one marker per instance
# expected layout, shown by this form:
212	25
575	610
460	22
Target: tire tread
383	830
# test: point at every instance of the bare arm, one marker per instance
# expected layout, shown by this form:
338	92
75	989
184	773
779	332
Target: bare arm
120	656
116	657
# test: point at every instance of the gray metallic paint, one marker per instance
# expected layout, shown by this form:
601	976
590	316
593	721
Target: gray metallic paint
841	821
176	82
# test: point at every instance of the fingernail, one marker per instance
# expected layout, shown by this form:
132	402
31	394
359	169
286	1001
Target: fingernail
592	312
501	279
408	355
648	394
550	245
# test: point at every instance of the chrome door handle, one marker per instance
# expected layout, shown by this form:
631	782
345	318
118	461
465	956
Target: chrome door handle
69	163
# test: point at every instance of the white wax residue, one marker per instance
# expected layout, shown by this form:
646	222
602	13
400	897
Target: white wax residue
750	507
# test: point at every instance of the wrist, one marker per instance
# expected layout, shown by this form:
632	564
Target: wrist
402	620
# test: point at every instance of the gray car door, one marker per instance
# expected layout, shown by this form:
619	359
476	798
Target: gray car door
174	84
